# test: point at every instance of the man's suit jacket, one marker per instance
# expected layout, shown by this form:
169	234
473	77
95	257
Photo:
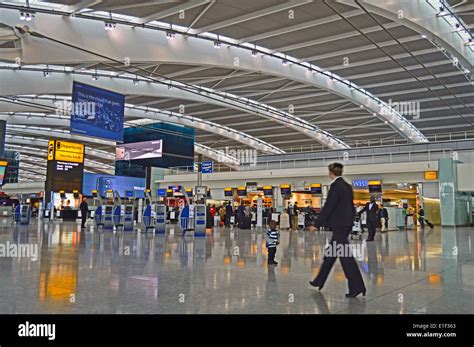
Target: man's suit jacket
338	211
371	212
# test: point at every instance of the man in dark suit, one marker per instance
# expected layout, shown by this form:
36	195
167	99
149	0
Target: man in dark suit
372	217
338	214
229	211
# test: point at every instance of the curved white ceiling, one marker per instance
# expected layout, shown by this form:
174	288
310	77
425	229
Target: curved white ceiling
144	45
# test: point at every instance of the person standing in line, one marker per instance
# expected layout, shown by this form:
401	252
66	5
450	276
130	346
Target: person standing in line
272	240
228	213
338	214
421	216
84	207
383	216
296	210
371	209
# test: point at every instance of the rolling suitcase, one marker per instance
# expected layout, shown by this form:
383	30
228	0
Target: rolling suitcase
246	223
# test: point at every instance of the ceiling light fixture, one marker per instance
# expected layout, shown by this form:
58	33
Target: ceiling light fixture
109	26
217	44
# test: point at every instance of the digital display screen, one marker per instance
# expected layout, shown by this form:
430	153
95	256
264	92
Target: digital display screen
65	166
67	201
129	193
242	191
375	188
316	189
3	171
161	193
139	150
285	191
268	191
97	112
121	184
228	192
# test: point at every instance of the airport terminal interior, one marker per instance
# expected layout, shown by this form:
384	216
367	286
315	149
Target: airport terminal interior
178	157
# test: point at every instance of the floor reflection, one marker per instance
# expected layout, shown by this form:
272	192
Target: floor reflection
417	271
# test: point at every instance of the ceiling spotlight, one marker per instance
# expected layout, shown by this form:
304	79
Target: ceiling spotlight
46	73
135	81
374	114
254	53
217	44
109	26
22	16
95	77
441	11
423	36
457	25
284	61
386	122
170	35
361	106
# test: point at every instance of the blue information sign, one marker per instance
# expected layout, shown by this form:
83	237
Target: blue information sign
360	183
97	112
206	167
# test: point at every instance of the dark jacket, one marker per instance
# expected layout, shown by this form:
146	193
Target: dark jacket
338	211
383	213
371	212
84	207
228	210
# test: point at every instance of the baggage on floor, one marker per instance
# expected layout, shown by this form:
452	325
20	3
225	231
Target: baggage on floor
246	223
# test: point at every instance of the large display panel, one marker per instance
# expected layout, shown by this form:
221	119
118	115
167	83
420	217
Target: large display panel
3	171
65	166
121	184
97	112
139	150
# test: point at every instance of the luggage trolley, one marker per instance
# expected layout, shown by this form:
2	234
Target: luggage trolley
356	228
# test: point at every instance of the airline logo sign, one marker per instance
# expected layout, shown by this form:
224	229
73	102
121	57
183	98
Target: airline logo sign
66	151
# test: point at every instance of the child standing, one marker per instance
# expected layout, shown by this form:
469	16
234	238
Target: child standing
272	239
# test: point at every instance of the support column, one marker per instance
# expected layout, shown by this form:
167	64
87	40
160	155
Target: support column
453	203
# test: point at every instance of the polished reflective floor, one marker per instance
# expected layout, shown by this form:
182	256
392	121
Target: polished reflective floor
405	272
